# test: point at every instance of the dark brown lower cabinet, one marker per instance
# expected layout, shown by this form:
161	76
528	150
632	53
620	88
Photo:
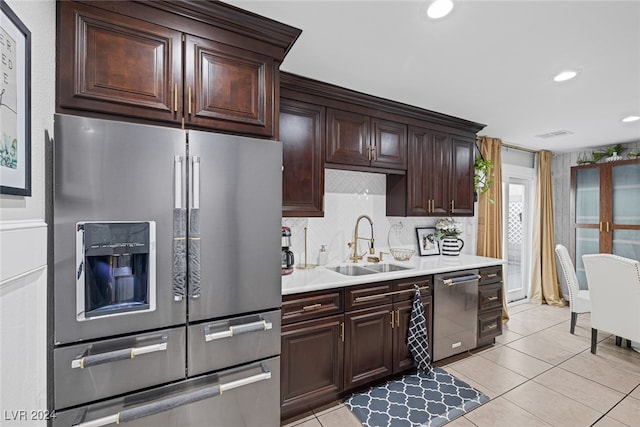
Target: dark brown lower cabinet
490	305
369	351
311	364
331	346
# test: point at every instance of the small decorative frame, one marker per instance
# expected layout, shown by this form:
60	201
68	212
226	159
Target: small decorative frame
15	104
428	244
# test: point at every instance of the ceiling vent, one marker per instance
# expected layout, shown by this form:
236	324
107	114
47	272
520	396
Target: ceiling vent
555	134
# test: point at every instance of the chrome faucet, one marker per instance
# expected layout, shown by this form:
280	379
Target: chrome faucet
354	256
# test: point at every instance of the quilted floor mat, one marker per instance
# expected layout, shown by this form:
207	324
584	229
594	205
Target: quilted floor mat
415	400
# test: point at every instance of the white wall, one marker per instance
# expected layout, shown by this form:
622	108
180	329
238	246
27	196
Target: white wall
348	195
23	239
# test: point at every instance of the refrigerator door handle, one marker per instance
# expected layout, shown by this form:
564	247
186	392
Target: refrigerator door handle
174	402
179	270
194	229
113	356
261	325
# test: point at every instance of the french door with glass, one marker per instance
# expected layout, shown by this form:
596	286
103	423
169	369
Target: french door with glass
518	183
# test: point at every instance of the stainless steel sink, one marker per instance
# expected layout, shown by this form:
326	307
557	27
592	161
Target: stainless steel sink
352	270
357	270
385	268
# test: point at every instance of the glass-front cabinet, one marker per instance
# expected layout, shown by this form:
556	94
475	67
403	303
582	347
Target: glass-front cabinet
605	211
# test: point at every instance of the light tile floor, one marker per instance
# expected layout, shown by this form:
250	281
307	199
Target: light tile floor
537	374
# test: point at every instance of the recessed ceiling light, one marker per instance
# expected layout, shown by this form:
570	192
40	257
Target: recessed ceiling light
630	119
565	75
439	9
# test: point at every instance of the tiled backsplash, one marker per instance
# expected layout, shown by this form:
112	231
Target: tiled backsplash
347	196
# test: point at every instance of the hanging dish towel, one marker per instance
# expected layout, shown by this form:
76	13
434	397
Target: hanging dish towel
418	339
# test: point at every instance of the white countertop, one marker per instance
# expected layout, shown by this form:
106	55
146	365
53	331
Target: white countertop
321	278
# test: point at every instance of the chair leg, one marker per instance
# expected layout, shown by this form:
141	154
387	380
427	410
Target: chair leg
574	319
594	340
618	341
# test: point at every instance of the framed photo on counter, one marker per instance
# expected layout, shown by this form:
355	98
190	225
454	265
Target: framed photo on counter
15	104
428	244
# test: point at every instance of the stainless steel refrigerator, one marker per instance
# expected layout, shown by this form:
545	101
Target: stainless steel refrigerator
166	276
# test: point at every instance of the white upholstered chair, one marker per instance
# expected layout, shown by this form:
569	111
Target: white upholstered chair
578	299
614	288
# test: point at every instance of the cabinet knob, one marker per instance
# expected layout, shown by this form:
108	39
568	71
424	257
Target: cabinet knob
189	100
392	315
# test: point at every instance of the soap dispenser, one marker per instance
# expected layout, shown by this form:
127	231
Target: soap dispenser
322	255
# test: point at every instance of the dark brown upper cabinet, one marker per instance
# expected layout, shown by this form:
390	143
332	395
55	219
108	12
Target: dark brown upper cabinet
359	140
428	157
348	138
302	127
440	174
201	64
228	87
389	144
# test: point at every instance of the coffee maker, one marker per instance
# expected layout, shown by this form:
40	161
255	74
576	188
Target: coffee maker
287	255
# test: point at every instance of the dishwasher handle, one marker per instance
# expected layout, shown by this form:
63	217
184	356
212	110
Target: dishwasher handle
461	279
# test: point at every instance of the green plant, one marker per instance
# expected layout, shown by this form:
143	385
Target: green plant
598	155
482	177
608	152
618	148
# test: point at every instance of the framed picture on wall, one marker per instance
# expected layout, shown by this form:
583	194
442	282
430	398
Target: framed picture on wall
15	104
428	244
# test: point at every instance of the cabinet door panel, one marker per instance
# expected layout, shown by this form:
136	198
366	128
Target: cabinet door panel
228	88
312	361
461	181
402	358
428	173
625	180
417	181
390	142
368	353
587	196
438	172
302	135
347	137
626	243
115	64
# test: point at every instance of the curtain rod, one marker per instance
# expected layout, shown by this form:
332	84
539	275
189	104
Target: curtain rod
515	147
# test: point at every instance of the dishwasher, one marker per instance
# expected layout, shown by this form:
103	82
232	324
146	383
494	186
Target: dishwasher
455	313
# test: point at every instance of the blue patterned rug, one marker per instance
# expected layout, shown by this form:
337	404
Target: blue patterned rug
415	400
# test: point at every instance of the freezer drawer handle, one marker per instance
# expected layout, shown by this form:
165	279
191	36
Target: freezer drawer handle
462	279
113	356
173	402
237	330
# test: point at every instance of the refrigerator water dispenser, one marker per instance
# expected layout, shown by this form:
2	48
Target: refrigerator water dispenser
115	268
